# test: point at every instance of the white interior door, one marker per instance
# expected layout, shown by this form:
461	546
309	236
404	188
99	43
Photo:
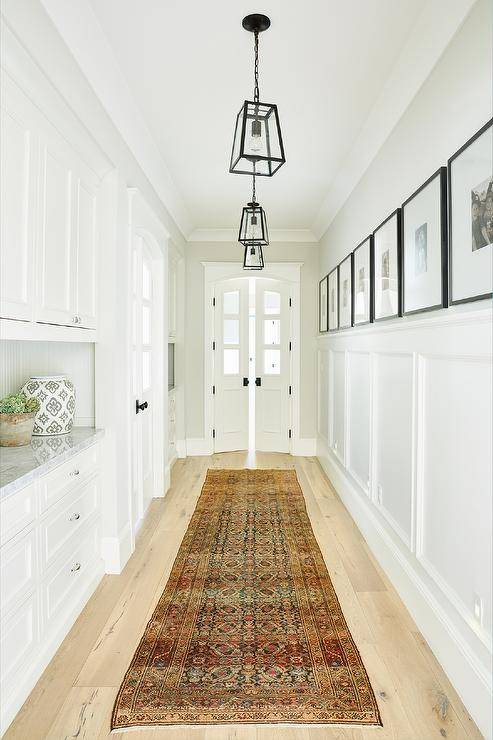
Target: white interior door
231	365
142	377
272	366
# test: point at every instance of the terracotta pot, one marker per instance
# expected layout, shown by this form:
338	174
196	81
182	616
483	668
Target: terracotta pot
16	429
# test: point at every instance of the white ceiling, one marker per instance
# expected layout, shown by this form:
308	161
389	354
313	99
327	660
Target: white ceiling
189	68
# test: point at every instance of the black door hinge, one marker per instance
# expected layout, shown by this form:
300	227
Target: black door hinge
213	345
290	434
289	390
213	434
213	390
290	346
290	303
213	301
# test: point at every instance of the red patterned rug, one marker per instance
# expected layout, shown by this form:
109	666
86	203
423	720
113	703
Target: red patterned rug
248	628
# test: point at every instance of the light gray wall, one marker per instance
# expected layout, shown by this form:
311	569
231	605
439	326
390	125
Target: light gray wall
421	384
225	252
451	106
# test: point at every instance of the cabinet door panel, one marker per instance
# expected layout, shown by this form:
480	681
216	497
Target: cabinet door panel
56	256
86	255
17	189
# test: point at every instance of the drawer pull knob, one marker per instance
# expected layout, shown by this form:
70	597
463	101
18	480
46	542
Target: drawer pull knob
75	567
74	517
74	472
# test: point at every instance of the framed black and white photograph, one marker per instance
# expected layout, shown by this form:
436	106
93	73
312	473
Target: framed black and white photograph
334	299
424	246
470	193
346	293
387	268
322	305
362	282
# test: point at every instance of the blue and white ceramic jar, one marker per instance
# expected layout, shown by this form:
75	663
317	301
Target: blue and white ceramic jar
56	396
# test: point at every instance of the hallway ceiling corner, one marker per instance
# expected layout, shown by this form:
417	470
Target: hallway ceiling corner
173	84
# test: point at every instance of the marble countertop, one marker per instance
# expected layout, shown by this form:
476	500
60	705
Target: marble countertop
21	465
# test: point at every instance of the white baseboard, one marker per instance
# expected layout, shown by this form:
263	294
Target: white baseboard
465	670
117	550
304	447
199	446
181	448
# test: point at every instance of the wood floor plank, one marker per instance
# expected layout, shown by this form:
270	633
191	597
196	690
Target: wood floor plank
74	697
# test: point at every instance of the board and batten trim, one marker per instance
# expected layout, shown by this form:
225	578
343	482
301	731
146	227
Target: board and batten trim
468	675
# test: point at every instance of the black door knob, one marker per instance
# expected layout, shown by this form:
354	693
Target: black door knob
140	406
245	381
258	381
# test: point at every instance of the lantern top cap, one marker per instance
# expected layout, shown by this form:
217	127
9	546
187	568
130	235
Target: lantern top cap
253	204
256	23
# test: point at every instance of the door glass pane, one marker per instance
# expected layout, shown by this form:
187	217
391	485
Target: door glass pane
146	281
231	302
231	331
146	324
272	302
146	370
272	331
272	361
231	361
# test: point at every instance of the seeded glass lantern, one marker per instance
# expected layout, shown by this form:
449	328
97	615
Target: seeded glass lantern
253	259
257	144
253	225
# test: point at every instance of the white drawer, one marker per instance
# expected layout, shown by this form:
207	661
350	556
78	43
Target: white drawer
17	511
62	522
67	575
19	637
17	568
54	485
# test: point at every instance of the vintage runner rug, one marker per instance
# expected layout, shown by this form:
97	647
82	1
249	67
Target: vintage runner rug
248	628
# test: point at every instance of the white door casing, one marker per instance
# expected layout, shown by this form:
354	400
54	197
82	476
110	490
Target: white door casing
272	365
149	370
214	272
231	365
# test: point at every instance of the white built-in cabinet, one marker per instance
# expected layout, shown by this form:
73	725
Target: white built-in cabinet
49	220
50	564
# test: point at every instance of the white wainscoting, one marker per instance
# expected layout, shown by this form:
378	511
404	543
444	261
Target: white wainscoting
19	360
405	434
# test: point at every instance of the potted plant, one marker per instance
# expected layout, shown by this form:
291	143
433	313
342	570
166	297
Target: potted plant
17	414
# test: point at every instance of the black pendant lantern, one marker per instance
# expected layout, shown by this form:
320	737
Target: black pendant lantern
253	224
257	143
253	259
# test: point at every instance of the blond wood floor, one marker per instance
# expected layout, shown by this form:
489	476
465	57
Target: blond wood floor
74	697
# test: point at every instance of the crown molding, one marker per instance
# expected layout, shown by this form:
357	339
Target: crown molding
76	23
435	27
299	236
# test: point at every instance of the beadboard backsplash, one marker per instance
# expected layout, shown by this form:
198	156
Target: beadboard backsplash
19	360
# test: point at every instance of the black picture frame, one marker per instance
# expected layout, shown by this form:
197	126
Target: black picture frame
336	270
441	173
369	239
398	314
339	295
481	296
326	281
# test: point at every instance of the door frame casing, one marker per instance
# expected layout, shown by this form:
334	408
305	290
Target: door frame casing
289	272
142	221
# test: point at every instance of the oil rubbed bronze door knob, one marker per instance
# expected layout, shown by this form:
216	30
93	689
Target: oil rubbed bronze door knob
140	406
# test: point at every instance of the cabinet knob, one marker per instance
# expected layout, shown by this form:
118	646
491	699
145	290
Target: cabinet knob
74	473
74	517
75	567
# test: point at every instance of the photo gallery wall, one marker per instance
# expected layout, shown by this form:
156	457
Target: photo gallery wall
432	252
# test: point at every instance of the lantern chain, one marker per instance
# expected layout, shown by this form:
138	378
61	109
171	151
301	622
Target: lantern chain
253	179
256	94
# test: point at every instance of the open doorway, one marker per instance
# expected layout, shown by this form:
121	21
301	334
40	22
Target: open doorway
251	358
